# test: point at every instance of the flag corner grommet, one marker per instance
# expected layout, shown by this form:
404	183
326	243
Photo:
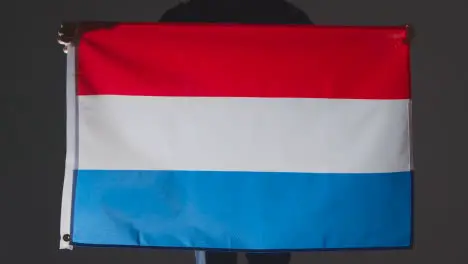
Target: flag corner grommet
66	238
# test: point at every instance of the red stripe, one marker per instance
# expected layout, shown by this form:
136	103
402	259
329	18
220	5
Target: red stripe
245	61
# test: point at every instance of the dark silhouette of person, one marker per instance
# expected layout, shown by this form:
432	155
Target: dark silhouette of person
220	11
236	11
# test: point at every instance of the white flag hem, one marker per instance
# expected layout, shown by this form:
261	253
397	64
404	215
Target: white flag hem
70	160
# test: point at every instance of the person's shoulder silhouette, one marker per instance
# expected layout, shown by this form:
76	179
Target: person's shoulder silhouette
236	11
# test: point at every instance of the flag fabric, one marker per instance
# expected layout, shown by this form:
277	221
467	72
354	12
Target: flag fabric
239	137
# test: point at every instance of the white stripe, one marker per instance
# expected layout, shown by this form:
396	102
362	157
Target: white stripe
70	159
243	134
410	134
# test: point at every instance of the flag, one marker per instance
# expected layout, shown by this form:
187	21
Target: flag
238	137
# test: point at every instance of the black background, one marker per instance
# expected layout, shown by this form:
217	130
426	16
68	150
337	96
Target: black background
33	129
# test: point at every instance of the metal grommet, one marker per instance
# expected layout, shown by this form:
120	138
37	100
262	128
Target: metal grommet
66	238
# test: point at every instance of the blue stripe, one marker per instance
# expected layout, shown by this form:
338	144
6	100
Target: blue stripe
242	210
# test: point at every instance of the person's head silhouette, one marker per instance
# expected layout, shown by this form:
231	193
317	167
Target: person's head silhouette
236	11
209	11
